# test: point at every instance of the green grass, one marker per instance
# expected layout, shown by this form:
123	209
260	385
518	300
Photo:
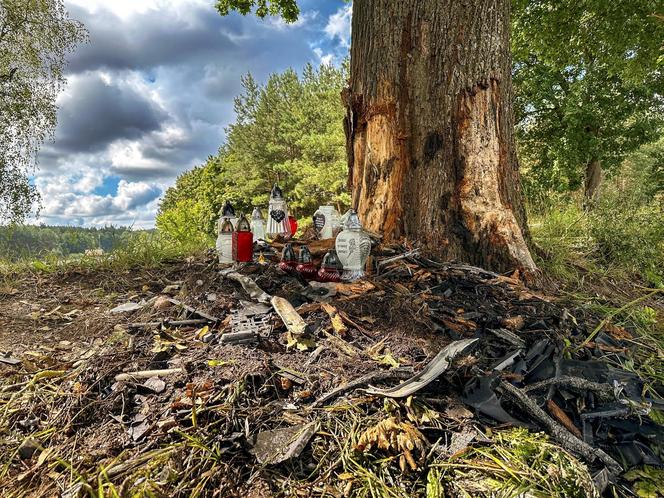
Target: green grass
516	462
574	245
146	250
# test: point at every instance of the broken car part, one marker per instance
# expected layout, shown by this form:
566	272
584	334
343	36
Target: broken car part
434	369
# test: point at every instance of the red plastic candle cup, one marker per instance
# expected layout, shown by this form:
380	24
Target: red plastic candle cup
243	242
243	246
293	225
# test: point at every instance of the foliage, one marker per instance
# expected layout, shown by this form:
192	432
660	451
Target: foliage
647	481
35	36
187	183
19	242
183	221
287	9
289	131
623	235
588	85
518	463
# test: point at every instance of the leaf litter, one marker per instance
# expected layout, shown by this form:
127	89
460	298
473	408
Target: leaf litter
152	401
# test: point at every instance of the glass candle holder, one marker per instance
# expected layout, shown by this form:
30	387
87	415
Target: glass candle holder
305	265
225	241
257	225
353	247
288	260
330	268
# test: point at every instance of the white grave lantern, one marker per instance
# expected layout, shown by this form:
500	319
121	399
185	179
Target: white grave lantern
325	220
225	241
257	225
353	247
277	222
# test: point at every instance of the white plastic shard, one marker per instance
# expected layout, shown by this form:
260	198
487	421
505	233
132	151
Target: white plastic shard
254	291
433	370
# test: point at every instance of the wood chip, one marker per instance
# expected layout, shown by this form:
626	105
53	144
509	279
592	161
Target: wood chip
562	417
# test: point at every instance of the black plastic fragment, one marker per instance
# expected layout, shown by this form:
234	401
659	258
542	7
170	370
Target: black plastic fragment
479	394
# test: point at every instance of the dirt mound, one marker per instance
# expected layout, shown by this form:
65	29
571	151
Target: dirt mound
180	381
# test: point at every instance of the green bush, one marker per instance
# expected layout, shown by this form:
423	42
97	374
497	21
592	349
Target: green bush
183	223
623	234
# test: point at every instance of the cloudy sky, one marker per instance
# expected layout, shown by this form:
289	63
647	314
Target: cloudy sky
149	96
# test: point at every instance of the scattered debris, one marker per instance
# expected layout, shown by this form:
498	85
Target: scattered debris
28	448
146	374
353	388
277	446
7	359
298	332
400	438
248	285
431	372
479	394
128	307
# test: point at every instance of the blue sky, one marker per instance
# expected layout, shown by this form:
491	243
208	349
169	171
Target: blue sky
151	93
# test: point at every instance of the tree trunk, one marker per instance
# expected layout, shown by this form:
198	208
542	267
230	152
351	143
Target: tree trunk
592	182
429	128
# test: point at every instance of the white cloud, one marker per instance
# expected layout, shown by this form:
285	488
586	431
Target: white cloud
127	8
339	25
133	194
324	58
151	93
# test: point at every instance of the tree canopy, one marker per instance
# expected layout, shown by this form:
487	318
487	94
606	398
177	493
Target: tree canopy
35	37
286	9
289	131
589	84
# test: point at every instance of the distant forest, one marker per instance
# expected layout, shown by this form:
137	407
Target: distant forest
31	241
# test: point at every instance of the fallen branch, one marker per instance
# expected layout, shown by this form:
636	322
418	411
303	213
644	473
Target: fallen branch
604	392
408	254
565	438
146	374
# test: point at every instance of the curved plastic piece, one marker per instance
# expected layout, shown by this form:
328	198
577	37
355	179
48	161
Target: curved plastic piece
433	370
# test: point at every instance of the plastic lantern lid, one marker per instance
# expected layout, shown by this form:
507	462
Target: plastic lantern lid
305	255
276	192
288	254
229	210
226	226
352	221
331	260
243	225
256	214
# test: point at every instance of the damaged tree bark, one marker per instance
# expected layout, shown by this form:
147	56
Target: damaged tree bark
430	130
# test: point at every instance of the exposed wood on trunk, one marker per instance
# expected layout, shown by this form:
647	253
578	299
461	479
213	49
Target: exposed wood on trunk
429	128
